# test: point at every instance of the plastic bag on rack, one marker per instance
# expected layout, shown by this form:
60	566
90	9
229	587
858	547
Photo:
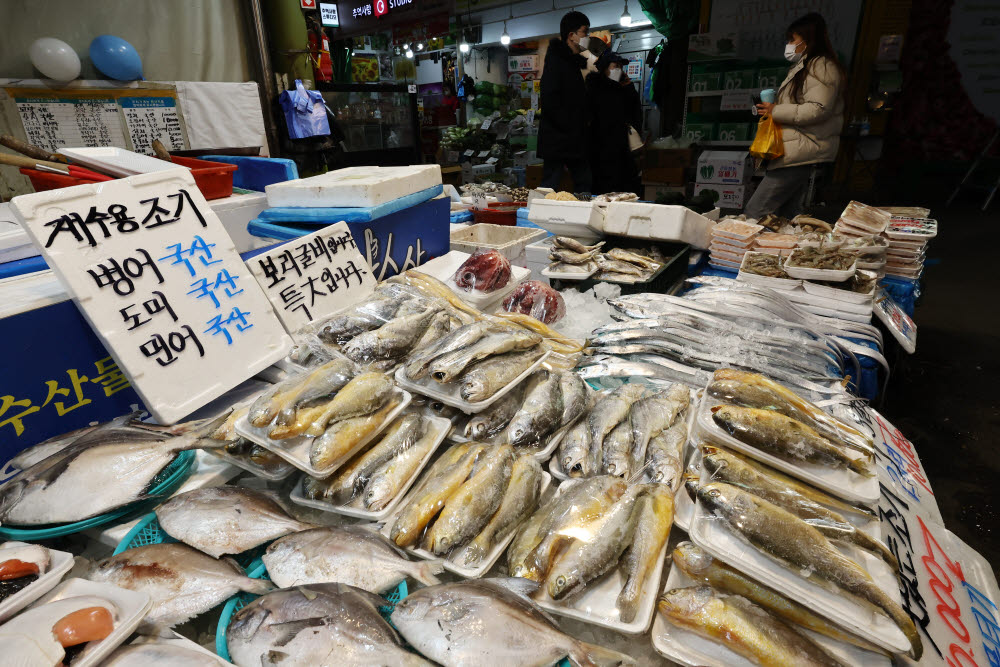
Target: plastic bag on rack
538	300
484	271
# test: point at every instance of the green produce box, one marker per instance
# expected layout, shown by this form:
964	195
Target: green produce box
739	79
735	131
771	77
700	131
705	82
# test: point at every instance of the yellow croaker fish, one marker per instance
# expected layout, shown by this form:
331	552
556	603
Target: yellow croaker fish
361	396
439	483
519	500
343	439
791	541
742	627
785	438
753	390
704	569
655	515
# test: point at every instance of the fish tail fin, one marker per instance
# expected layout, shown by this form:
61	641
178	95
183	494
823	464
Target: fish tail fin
427	569
257	586
583	654
628	600
196	433
876	547
861	467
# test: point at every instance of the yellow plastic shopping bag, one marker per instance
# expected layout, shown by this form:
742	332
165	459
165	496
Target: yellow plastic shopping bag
767	145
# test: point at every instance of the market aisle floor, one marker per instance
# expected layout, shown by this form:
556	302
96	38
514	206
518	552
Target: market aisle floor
944	398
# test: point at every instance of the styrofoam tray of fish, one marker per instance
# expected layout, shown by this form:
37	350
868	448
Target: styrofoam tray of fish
597	604
809	298
279	472
569	275
838	294
683	504
488	562
689	648
768	281
723	264
132	607
296	450
842	483
582	220
542	454
59	563
712	535
448	392
440	426
912	228
829	275
445	266
174	642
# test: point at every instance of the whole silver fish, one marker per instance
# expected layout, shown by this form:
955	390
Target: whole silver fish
575	397
618	266
181	581
496	627
462	337
608	412
663	455
319	624
391	340
222	520
633	258
439	327
519	501
653	415
450	365
352	555
366	316
571	257
485	378
617	446
574	245
495	418
105	469
654	514
574	450
539	414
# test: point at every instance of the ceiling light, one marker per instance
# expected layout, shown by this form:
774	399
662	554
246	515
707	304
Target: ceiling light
464	46
409	52
420	46
626	18
505	37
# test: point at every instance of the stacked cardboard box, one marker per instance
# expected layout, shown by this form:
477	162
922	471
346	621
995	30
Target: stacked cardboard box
728	174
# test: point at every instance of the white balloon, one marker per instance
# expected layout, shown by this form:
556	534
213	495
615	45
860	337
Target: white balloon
55	59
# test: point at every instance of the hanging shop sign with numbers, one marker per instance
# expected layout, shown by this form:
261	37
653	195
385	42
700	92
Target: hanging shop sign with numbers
314	276
159	280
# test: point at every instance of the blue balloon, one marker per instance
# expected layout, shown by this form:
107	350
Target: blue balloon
115	58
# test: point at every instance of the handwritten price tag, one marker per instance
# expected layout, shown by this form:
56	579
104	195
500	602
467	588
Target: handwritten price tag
479	202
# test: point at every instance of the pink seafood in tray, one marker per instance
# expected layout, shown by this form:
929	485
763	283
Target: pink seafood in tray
484	271
737	229
774	240
868	218
538	300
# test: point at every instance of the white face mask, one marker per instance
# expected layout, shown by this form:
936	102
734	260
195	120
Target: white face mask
615	74
790	54
584	42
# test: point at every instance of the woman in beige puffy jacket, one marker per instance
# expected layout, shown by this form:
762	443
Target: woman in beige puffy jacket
810	112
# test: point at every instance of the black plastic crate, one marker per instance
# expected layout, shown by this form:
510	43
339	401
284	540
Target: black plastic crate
661	282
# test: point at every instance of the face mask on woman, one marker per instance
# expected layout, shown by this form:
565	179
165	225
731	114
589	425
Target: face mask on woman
615	74
790	54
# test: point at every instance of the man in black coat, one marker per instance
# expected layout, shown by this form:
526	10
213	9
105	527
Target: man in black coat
562	134
614	105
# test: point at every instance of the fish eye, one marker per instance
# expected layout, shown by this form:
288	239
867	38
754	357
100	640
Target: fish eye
714	493
560	581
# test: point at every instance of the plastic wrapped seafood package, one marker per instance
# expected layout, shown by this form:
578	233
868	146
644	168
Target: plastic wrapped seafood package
537	300
485	271
859	219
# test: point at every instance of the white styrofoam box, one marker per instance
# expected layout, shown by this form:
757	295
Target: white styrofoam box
235	212
655	221
133	280
510	241
354	187
117	161
730	196
538	252
15	243
732	167
580	219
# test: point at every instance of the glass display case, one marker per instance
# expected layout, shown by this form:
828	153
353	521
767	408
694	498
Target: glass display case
378	123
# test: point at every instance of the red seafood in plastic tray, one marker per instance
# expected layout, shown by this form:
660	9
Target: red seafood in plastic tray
484	271
538	300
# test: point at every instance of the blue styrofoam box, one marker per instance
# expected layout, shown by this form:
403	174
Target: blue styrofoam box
255	173
20	267
458	217
391	243
323	216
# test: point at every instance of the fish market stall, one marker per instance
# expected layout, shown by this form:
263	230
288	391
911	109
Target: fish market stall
460	465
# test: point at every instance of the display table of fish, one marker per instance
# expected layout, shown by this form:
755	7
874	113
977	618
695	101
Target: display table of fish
222	520
467	506
485	622
579	536
104	469
319	624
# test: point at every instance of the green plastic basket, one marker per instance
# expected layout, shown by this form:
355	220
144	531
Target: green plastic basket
165	483
256	570
147	531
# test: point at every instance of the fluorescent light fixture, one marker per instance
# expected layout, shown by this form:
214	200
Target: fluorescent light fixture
409	53
505	37
464	46
420	46
626	18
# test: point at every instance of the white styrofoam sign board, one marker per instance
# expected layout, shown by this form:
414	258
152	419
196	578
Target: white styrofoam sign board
157	277
352	187
313	276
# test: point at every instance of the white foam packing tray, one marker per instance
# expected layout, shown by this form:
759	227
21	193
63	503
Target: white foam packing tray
841	483
60	563
444	267
491	558
179	641
132	608
285	469
829	275
578	219
714	536
766	281
837	294
597	603
690	648
568	275
441	426
449	392
117	161
295	450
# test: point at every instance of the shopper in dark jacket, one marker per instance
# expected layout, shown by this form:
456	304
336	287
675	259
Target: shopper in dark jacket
562	132
614	106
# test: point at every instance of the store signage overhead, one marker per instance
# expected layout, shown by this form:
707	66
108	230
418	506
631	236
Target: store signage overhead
158	279
358	16
328	14
314	276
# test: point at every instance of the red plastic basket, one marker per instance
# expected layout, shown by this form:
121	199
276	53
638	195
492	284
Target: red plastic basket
46	180
499	213
214	179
